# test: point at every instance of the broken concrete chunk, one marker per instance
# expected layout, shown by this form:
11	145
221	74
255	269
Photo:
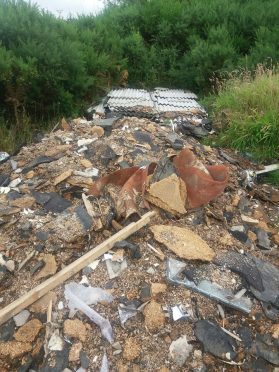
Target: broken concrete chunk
183	242
180	350
29	331
132	349
169	194
154	316
50	267
75	328
215	340
14	349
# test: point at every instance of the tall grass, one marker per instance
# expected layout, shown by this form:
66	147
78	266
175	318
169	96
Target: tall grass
246	112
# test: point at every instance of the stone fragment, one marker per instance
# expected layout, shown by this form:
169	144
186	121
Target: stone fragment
21	318
29	331
97	131
41	305
7	330
132	349
249	220
24	202
86	163
157	288
180	350
183	242
55	343
62	177
168	194
263	239
14	349
75	328
252	236
275	330
10	265
84	360
226	239
57	150
65	125
154	316
75	351
50	267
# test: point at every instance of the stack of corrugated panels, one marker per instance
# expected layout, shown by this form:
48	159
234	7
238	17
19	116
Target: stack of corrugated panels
126	99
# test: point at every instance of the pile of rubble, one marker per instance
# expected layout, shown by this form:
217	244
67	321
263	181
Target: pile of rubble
194	288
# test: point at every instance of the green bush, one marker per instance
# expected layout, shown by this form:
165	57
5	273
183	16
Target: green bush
246	111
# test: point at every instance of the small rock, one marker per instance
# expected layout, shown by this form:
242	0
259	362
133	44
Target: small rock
145	292
21	318
55	343
157	288
180	350
97	131
41	305
75	351
42	235
29	331
132	349
249	220
14	349
235	200
117	346
75	328
60	305
151	271
84	360
154	316
10	265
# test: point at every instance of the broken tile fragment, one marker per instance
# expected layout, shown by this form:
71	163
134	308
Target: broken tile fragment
183	242
168	194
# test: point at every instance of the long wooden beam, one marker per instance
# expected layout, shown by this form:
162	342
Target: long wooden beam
29	298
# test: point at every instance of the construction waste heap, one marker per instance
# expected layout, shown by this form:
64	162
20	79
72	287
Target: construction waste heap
127	245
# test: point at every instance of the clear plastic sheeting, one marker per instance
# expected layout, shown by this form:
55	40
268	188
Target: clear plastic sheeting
80	297
105	364
206	288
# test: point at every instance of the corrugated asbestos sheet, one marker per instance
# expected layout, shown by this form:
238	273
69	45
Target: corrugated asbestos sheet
159	100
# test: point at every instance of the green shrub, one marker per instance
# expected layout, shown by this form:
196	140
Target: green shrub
246	112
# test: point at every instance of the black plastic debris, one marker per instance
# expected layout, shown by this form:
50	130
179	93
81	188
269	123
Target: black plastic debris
263	239
215	340
242	265
134	249
51	201
264	347
39	160
84	217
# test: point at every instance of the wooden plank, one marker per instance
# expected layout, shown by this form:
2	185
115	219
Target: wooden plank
29	298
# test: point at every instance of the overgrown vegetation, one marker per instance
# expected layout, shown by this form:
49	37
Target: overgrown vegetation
246	110
51	67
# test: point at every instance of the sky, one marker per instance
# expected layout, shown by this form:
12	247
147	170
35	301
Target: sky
65	8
